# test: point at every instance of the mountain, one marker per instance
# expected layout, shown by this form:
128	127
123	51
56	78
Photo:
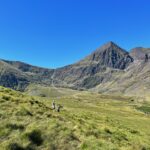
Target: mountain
90	71
35	74
139	53
18	75
109	69
12	77
110	55
134	80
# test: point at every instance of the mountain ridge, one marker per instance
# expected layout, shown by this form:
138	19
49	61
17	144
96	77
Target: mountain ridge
102	66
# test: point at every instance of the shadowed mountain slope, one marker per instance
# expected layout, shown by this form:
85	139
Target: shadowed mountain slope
12	77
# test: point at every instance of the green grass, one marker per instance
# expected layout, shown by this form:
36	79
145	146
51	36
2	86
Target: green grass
144	108
44	91
88	121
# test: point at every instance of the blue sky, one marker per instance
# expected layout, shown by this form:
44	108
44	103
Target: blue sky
54	33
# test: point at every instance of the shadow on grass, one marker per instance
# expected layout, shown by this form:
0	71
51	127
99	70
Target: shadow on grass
35	137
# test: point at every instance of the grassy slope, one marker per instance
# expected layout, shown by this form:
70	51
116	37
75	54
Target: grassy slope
45	91
88	121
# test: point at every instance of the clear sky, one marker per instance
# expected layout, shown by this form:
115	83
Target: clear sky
54	33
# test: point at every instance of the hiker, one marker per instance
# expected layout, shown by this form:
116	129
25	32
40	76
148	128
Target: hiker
58	108
53	105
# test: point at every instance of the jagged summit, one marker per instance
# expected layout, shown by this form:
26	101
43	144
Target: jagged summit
110	55
109	45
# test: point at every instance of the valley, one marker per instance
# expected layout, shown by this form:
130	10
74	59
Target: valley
104	103
74	75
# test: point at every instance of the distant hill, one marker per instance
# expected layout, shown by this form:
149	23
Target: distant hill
109	69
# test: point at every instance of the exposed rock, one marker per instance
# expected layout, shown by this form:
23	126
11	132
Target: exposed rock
111	55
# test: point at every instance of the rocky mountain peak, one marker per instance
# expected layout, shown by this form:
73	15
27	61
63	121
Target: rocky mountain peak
110	55
108	45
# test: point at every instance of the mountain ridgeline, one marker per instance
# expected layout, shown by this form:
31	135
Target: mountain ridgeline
109	69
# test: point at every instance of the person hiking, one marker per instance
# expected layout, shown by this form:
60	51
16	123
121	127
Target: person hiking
58	107
53	104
